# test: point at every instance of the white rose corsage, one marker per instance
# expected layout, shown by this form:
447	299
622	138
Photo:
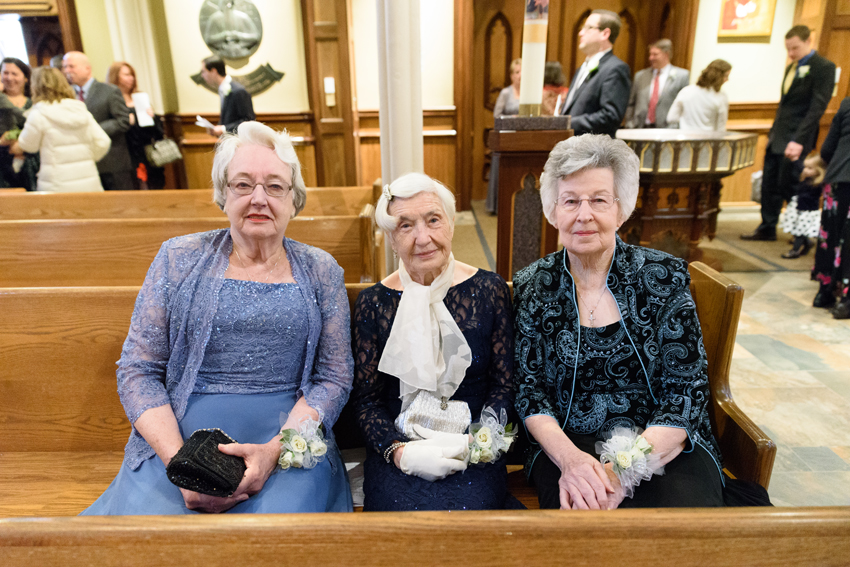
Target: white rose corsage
491	436
802	71
303	448
631	456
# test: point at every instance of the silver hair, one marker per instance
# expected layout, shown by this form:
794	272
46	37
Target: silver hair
407	186
664	45
256	134
591	151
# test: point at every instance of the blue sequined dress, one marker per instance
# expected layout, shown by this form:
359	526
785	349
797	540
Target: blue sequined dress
481	307
262	347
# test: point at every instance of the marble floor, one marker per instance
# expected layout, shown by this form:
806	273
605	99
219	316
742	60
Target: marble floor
791	365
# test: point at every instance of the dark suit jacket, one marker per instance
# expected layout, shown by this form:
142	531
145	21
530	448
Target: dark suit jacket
801	108
106	104
641	90
600	102
236	108
836	148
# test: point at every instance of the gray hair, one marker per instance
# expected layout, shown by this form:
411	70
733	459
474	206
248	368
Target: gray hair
664	45
591	151
256	134
407	186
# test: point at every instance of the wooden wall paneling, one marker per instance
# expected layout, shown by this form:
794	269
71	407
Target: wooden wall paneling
327	27
71	38
463	91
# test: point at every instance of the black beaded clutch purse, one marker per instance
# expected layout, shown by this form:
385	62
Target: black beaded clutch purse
200	467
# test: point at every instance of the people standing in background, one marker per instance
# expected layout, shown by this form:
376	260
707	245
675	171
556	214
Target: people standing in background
832	255
554	91
599	92
655	88
802	215
146	176
236	104
107	106
806	90
506	105
508	102
703	106
65	133
16	170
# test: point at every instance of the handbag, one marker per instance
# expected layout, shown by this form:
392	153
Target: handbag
200	467
427	410
162	152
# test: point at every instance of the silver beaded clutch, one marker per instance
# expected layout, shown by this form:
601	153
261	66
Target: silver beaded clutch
433	413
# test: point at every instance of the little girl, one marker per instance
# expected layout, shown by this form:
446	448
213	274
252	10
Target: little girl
802	215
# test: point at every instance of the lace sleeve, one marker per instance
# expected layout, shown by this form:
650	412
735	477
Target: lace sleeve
330	383
142	367
500	395
370	395
682	364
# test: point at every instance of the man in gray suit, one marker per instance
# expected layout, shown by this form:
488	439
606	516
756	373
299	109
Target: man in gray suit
106	103
655	88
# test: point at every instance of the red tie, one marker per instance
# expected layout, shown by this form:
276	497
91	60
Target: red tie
653	100
80	96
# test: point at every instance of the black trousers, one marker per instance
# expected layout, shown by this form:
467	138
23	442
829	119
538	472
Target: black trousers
779	177
118	181
691	480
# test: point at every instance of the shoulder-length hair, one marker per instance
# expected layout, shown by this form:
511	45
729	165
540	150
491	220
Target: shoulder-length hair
50	85
25	69
712	76
115	68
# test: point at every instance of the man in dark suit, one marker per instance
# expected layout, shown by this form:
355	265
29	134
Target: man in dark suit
106	104
236	104
599	92
806	90
654	89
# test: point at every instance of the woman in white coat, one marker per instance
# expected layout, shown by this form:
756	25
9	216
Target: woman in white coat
65	133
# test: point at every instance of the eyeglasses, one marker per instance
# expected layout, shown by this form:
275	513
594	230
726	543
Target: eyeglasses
600	203
247	186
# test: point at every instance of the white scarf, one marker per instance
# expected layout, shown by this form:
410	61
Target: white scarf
437	365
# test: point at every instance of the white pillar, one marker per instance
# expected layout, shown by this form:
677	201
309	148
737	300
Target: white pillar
400	83
132	37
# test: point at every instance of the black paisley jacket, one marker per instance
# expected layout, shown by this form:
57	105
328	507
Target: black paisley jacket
653	295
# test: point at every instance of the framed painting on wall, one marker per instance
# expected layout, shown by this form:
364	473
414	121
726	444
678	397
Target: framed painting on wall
746	18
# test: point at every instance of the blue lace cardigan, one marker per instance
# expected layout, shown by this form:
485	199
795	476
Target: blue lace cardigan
652	291
173	316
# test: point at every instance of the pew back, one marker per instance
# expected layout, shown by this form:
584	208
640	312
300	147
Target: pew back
169	203
118	252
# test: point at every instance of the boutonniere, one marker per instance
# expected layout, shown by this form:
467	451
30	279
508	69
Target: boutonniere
594	68
227	88
802	71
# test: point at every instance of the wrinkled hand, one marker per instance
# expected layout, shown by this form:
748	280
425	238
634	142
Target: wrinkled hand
793	151
436	456
584	483
260	461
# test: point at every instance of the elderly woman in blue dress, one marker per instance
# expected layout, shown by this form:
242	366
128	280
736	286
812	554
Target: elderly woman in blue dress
238	329
610	369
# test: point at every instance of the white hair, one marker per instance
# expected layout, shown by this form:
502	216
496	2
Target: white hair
591	151
256	134
408	186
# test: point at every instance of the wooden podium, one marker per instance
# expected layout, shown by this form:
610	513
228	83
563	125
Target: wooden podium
524	234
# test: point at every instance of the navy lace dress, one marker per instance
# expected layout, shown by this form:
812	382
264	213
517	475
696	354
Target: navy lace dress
481	307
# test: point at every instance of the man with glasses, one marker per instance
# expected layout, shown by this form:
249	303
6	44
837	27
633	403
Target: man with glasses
599	92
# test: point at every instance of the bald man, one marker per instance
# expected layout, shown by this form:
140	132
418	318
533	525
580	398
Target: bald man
106	104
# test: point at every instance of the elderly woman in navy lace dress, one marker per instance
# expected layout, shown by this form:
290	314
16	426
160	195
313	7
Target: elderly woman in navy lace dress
609	354
439	330
238	329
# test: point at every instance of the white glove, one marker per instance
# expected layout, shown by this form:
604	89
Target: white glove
436	456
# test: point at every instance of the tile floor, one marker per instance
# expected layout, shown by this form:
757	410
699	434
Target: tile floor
791	366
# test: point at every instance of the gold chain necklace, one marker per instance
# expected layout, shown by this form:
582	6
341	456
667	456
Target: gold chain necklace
245	268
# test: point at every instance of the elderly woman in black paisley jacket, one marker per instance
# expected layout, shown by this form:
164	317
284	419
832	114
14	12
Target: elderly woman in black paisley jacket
609	353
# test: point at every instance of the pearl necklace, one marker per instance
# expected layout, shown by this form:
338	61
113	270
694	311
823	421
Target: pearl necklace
245	268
